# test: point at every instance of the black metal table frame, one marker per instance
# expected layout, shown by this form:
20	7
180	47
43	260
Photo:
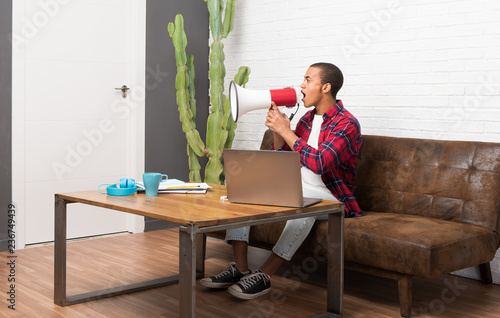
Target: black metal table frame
192	244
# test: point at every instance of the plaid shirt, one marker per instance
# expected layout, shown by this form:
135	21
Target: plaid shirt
339	143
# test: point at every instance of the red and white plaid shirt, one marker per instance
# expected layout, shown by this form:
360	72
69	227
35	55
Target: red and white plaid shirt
337	154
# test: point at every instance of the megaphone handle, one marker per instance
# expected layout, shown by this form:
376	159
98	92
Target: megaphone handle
292	115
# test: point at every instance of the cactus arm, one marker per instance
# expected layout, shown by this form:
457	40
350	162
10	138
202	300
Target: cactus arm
192	135
241	78
227	25
216	135
215	9
192	100
178	36
216	73
179	40
194	165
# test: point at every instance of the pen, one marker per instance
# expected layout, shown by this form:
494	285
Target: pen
184	187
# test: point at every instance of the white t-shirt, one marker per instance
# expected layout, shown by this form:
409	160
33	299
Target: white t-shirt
312	185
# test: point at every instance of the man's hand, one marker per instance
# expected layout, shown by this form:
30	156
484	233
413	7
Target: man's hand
276	120
280	124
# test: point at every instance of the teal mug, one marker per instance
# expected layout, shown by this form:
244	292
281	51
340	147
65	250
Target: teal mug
152	182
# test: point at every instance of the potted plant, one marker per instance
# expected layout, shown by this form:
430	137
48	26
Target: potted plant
220	125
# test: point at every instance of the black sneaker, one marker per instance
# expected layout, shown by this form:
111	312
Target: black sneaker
251	286
226	278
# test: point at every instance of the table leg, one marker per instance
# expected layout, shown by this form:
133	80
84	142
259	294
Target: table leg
335	275
201	246
335	269
187	270
60	296
60	252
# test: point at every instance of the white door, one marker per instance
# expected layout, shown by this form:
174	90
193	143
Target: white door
72	131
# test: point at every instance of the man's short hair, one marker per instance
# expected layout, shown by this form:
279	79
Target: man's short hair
330	74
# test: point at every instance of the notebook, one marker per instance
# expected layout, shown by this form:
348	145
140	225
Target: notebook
264	177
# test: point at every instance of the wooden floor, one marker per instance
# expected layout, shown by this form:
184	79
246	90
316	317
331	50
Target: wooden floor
115	261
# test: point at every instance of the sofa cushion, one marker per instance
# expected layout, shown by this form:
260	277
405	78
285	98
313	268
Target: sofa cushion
412	244
450	180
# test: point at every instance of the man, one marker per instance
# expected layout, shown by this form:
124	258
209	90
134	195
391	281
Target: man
328	139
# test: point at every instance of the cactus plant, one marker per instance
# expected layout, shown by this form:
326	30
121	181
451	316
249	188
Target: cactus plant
220	125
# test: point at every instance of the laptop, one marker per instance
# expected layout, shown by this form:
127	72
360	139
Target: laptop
264	177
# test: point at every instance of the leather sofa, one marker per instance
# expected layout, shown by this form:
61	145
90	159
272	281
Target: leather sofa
431	207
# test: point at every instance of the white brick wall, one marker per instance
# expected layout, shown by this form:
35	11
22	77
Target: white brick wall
423	69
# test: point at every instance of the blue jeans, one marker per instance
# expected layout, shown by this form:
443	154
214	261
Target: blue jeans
294	233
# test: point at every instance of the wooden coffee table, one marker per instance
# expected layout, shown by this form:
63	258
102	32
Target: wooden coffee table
196	214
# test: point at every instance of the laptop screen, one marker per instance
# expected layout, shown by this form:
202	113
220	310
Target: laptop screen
263	177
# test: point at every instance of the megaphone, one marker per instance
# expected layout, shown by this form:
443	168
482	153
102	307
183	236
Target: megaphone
242	100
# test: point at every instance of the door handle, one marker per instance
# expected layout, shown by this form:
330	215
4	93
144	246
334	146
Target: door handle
124	90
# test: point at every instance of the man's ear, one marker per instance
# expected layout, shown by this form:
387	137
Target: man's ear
327	88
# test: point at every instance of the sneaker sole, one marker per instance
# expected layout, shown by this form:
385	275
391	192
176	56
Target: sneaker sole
244	296
211	284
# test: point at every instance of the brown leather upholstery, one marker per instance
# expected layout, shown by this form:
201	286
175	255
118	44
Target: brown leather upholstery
267	140
431	207
406	244
414	245
449	180
438	205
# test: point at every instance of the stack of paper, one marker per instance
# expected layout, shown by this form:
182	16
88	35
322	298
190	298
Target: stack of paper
191	187
177	186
